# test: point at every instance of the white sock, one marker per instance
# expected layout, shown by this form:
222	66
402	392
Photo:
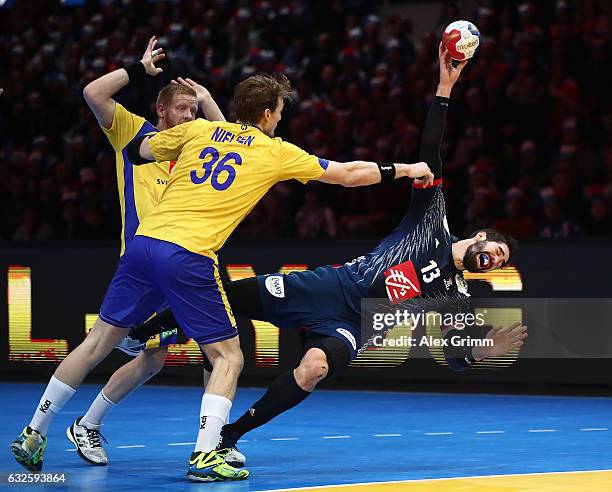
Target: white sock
213	414
98	410
53	399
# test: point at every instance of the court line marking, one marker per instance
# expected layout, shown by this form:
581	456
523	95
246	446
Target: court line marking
416	480
71	449
585	429
132	446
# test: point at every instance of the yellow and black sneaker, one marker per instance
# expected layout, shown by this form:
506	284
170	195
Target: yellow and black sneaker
28	449
211	467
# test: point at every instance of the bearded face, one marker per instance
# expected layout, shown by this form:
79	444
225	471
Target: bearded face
484	256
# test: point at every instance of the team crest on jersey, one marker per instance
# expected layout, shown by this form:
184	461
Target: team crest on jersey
462	286
275	285
401	282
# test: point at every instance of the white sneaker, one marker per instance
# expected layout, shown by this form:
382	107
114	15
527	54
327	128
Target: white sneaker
87	442
233	457
131	346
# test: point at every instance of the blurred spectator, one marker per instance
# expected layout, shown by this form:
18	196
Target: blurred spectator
480	212
314	219
553	224
517	221
32	227
599	222
532	112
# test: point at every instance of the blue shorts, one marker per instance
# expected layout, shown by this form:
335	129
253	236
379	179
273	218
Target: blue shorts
152	272
311	299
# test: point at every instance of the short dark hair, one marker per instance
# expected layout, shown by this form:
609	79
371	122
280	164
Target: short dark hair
499	237
259	92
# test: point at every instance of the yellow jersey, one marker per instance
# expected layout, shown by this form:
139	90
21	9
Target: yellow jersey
139	186
222	170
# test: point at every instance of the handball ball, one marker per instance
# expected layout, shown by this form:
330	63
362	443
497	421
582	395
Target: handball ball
461	39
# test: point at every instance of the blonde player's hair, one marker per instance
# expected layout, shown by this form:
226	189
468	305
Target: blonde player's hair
166	95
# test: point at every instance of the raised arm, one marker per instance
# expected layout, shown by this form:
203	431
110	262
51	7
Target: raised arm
363	173
99	93
431	141
205	101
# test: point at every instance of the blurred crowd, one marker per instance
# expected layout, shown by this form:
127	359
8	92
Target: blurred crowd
528	144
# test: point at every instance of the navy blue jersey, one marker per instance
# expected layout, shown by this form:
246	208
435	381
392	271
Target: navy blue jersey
415	260
412	263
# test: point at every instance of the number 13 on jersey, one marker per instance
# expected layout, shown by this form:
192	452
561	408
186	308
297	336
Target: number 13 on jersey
430	272
221	172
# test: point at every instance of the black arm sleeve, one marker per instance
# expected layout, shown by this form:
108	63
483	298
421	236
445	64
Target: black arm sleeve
133	151
433	134
460	358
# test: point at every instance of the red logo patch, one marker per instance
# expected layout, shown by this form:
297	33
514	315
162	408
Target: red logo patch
401	282
172	164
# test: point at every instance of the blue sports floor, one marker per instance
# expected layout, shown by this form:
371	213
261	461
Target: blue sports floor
331	438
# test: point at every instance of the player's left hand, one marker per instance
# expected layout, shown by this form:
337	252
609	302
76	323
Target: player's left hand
201	91
151	56
505	339
448	74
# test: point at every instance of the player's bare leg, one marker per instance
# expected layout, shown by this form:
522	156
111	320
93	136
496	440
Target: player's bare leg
205	463
84	432
100	341
29	447
285	392
312	369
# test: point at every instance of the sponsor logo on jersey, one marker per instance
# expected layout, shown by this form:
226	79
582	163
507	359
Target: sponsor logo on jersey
202	421
252	412
462	286
448	283
401	282
275	285
349	336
